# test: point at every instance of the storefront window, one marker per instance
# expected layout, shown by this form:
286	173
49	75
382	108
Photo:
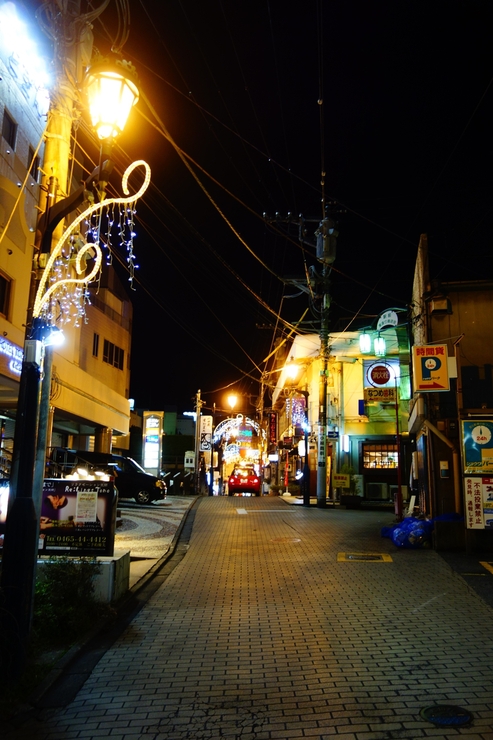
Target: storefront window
380	456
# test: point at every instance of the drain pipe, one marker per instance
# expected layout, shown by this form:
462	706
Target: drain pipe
455	462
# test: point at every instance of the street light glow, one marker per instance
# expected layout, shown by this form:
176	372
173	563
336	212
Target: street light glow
112	93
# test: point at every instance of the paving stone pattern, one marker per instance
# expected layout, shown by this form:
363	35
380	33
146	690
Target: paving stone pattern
260	633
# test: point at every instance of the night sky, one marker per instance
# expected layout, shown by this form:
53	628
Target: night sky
392	100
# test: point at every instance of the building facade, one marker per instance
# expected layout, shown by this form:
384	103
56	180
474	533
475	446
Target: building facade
451	423
367	408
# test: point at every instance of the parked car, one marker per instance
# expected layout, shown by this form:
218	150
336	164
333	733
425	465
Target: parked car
244	481
131	480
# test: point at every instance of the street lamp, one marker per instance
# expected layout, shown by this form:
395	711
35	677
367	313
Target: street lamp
21	535
111	89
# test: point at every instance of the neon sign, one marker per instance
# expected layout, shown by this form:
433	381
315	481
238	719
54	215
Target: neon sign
15	354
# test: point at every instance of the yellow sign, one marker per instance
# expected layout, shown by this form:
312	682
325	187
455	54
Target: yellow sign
430	368
383	395
339	480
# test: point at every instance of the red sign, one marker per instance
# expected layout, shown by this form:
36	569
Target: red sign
379	375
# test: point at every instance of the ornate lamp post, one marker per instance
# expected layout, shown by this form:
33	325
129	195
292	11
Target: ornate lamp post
62	283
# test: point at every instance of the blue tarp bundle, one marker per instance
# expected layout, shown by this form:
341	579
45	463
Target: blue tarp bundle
414	533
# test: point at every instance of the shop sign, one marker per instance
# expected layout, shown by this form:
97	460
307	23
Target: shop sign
387	319
340	480
430	368
272	427
77	517
205	433
384	395
479	502
477	446
378	374
10	358
152	443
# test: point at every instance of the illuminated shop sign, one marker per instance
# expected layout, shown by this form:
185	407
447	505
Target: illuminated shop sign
10	357
430	368
272	417
153	422
22	59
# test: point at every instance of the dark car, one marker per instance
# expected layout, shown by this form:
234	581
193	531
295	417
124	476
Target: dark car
131	480
244	481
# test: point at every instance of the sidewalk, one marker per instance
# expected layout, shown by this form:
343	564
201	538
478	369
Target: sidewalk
286	622
150	534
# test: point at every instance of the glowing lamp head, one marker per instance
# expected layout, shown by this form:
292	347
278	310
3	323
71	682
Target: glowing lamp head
111	87
380	347
232	401
365	343
292	370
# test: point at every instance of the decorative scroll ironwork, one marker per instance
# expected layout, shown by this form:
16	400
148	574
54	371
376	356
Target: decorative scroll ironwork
64	280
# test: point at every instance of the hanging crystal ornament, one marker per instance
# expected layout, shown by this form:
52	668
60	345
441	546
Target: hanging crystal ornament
65	278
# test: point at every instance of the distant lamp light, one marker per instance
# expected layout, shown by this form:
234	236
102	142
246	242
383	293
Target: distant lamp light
379	346
365	343
232	401
111	87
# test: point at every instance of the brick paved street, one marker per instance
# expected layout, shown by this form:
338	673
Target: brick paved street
261	633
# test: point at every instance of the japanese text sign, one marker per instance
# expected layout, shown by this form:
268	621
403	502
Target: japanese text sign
430	368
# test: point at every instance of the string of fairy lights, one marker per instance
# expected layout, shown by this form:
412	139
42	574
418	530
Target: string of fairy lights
63	295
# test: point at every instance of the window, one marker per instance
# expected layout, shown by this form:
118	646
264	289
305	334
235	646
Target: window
381	456
95	345
113	355
4	295
9	129
33	164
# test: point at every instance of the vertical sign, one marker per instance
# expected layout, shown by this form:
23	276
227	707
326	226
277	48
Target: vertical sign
430	368
205	433
152	441
272	416
477	459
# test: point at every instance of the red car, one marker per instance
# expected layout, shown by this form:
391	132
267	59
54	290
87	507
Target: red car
244	481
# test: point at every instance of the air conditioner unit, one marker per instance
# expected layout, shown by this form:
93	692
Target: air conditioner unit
377	491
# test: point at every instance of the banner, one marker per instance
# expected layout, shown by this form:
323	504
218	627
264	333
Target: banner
205	433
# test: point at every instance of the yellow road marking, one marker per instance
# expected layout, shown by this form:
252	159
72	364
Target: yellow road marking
368	557
488	566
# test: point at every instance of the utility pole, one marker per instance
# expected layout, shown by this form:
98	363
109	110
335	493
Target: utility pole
326	236
326	251
198	406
